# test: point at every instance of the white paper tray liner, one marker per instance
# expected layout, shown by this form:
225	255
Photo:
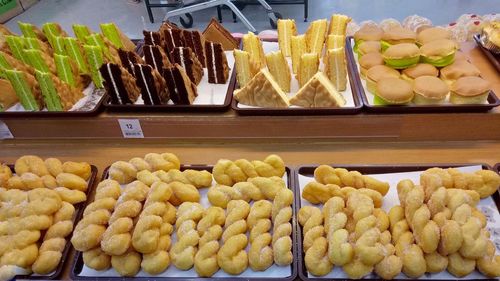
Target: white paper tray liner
294	86
274	271
487	206
209	94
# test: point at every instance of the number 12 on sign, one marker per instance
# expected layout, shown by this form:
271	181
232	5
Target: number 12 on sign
131	128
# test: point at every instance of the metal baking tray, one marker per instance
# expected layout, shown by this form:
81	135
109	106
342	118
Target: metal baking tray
493	58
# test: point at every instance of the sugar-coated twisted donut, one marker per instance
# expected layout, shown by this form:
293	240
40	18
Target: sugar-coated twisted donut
237	212
5	175
199	179
184	250
183	192
282	230
340	251
260	255
232	257
227	172
317	193
128	264
342	177
30	164
315	244
210	229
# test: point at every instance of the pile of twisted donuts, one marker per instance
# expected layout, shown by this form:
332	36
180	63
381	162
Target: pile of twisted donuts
436	227
147	216
37	212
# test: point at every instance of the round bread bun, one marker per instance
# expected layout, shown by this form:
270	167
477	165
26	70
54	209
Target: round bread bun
429	90
439	53
458	69
369	32
369	47
370	60
397	35
376	73
470	90
402	55
394	90
432	34
420	69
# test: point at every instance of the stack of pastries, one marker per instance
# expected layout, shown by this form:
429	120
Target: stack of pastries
435	227
37	210
401	66
265	79
147	216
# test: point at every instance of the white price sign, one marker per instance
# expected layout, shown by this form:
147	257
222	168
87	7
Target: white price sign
5	131
131	128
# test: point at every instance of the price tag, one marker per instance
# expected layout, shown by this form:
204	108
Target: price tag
5	132
131	128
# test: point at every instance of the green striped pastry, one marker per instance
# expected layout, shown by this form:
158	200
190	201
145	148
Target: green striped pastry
35	59
74	51
110	31
95	59
16	46
64	70
58	45
81	32
24	91
28	29
96	39
49	93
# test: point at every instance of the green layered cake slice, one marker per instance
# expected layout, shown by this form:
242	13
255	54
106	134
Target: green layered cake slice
81	32
95	59
49	92
58	45
16	46
116	36
74	51
97	40
27	93
31	31
36	60
64	69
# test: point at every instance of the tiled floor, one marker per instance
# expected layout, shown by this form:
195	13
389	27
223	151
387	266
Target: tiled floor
133	18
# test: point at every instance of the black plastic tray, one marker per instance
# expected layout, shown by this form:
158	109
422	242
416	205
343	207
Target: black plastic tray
253	111
77	266
494	59
308	170
78	214
493	100
497	168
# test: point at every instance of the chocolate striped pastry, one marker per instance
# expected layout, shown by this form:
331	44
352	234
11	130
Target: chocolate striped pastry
151	84
181	89
195	40
218	70
186	58
172	38
128	59
152	38
156	57
120	84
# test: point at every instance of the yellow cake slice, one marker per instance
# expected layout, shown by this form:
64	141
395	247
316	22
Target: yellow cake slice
262	91
336	69
338	24
318	92
334	41
278	66
245	67
315	36
308	66
299	47
253	45
286	29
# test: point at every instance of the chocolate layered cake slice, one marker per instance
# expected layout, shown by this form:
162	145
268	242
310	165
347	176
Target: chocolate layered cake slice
120	84
186	58
181	89
152	85
152	38
195	40
128	59
173	39
156	57
218	70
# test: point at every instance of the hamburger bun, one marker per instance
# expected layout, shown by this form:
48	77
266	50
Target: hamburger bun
367	32
394	91
439	53
470	90
420	69
432	34
402	55
398	35
429	90
376	73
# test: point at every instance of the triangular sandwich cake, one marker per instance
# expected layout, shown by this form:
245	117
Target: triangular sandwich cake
40	61
278	66
152	38
27	89
179	86
81	32
117	37
334	41
215	32
119	84
338	24
315	36
152	85
186	58
30	30
109	51
128	59
67	71
245	68
286	29
253	45
336	68
195	40
299	47
262	91
318	92
75	51
308	66
217	67
172	38
156	57
57	95
94	57
9	62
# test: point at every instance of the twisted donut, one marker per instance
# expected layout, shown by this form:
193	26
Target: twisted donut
260	255
325	174
182	192
210	229
227	172
315	244
237	212
282	230
184	250
30	164
164	161
5	175
232	257
199	179
340	251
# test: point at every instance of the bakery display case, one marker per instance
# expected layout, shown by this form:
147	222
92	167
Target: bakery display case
205	155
